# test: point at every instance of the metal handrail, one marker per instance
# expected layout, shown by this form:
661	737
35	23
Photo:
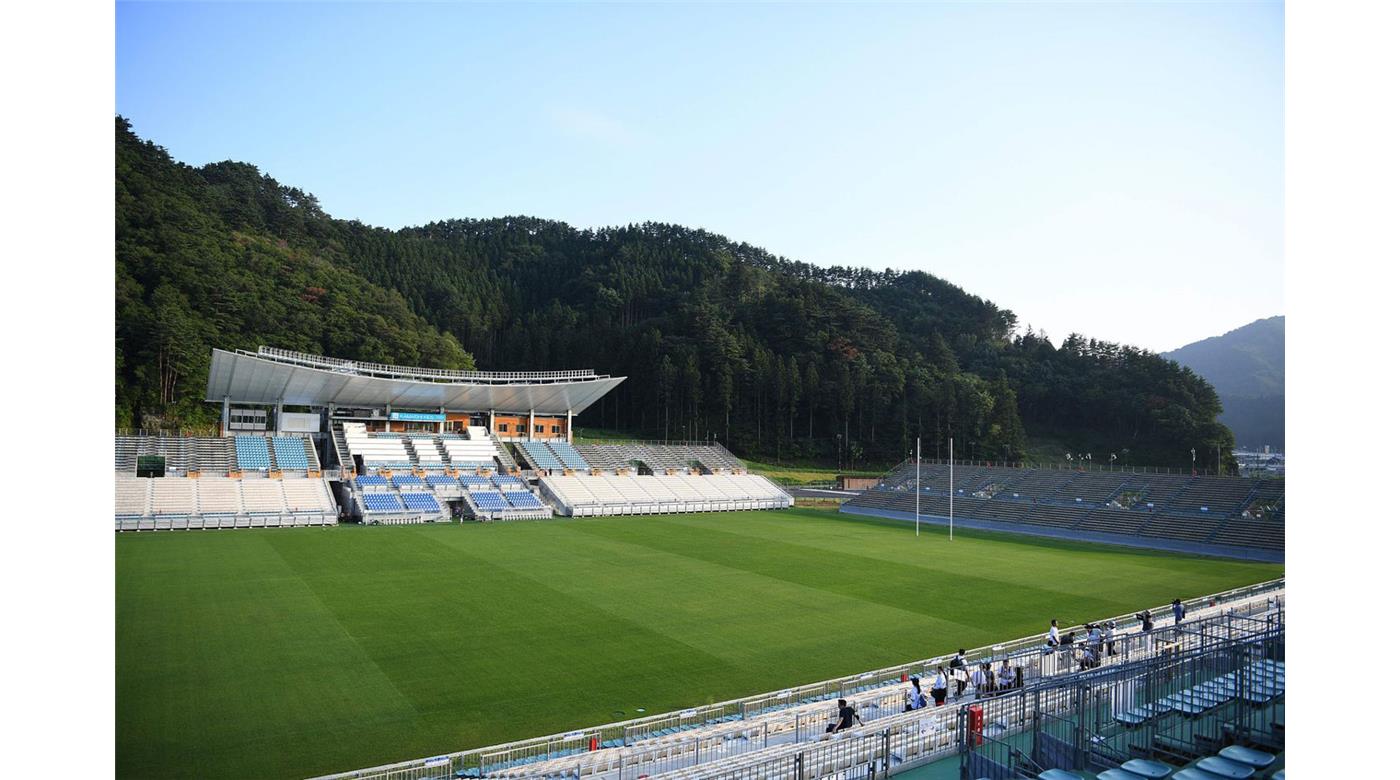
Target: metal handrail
414	372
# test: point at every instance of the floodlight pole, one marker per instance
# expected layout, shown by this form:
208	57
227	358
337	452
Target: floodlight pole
918	458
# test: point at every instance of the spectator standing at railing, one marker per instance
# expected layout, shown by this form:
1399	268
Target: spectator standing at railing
940	687
958	671
982	680
1178	612
1108	636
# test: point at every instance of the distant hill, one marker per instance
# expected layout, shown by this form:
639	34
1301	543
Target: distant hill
1246	368
773	357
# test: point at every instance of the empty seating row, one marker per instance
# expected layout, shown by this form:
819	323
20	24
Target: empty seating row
568	456
252	453
609	494
539	455
182	454
153	502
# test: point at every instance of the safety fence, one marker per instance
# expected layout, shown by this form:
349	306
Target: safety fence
630	749
1224	683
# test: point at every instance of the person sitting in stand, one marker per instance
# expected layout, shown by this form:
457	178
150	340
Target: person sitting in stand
845	714
1006	676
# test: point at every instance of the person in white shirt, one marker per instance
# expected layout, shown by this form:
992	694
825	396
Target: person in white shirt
916	698
1052	637
1108	636
940	688
1006	676
981	680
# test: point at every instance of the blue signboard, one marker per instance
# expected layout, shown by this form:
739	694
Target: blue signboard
418	416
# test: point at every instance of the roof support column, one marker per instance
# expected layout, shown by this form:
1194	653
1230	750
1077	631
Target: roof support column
442	424
530	432
569	427
224	418
491	426
277	427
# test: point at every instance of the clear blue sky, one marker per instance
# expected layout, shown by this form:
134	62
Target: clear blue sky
1115	170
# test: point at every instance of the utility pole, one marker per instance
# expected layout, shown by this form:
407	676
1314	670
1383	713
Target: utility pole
918	460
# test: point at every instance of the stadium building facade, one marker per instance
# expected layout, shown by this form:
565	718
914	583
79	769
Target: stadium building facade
311	440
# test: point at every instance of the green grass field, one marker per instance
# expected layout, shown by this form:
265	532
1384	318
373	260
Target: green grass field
292	652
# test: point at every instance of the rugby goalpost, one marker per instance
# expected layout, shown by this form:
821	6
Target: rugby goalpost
918	488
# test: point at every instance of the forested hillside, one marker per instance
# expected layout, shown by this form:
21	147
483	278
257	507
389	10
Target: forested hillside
1246	367
771	356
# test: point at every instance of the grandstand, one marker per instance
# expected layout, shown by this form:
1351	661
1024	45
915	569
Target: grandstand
174	503
1229	516
625	494
1195	697
661	458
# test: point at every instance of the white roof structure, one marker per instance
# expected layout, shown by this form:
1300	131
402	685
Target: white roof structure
271	376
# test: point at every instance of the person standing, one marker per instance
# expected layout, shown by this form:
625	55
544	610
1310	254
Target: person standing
916	699
959	672
940	688
1108	636
1178	613
981	681
1052	637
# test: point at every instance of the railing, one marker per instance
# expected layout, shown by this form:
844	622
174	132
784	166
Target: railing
1098	719
1246	600
416	373
1061	466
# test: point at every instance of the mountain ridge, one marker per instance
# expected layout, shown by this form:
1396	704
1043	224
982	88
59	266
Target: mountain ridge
1246	367
719	338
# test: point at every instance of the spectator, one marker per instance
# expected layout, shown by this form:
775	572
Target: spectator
1108	636
1178	612
1146	617
1088	659
981	681
845	713
1052	637
1095	637
940	688
959	672
1006	676
916	697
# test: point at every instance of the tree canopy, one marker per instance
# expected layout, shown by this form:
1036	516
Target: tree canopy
718	338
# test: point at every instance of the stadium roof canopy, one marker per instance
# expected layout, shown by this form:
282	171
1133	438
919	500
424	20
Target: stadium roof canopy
271	376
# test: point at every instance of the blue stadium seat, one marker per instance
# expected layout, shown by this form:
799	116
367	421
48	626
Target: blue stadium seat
420	502
489	500
371	480
290	452
523	499
476	482
441	480
569	456
506	482
252	453
541	455
407	480
382	502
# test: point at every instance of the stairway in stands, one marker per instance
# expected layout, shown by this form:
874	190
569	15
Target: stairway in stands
342	453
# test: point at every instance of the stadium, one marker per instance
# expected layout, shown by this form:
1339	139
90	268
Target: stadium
358	598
